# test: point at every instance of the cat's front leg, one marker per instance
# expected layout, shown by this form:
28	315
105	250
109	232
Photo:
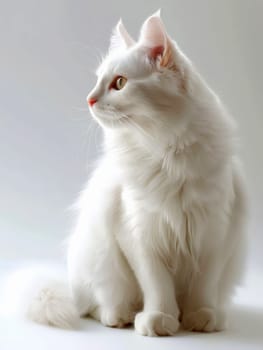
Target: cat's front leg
201	311
160	312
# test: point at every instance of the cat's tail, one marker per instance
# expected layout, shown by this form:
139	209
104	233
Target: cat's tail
41	295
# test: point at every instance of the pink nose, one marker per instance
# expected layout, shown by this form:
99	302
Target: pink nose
92	101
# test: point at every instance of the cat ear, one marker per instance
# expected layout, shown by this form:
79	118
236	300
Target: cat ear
154	37
120	38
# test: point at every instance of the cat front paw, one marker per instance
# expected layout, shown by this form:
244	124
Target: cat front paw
115	317
156	323
204	320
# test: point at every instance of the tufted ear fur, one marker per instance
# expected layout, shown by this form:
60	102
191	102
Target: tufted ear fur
154	37
120	39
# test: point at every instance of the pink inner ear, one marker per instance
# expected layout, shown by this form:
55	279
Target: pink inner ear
156	51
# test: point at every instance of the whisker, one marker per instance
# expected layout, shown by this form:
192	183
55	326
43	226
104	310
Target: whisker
89	135
98	143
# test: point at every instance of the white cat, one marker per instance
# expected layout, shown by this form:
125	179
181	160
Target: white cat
160	235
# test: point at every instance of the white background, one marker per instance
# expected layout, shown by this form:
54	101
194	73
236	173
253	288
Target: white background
48	53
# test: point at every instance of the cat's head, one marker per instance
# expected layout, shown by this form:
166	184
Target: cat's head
144	84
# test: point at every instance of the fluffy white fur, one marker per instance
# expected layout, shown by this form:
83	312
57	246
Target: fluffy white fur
160	234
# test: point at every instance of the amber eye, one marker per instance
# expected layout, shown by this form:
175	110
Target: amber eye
118	83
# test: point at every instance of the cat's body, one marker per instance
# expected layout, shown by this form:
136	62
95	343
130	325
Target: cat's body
125	223
161	223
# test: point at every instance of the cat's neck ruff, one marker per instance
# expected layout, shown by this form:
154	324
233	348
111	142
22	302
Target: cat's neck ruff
156	143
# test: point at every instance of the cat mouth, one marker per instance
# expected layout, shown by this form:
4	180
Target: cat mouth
108	118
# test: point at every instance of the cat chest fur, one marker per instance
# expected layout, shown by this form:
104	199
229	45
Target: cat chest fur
164	204
164	215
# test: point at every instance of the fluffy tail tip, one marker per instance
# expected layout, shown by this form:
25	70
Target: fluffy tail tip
41	296
52	307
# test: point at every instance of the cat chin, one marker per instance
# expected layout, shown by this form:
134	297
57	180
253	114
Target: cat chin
105	119
109	123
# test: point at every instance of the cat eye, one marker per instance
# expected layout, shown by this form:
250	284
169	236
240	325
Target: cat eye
118	83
